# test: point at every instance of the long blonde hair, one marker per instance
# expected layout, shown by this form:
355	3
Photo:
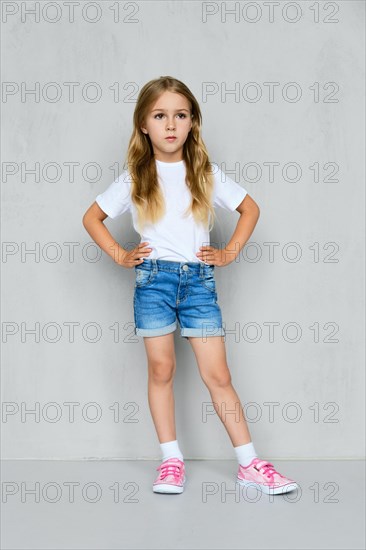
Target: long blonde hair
145	190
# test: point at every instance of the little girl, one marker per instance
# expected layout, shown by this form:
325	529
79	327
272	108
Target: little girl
171	189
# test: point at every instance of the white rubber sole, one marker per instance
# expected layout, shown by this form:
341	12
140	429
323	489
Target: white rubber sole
270	490
168	489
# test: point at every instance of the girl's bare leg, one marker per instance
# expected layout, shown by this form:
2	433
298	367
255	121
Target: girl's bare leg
161	369
211	359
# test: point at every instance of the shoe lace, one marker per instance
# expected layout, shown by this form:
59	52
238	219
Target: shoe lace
169	469
267	469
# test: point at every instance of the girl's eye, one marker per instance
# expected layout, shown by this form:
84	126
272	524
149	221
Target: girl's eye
162	114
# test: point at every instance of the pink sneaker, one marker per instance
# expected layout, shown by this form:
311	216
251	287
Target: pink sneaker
263	475
171	477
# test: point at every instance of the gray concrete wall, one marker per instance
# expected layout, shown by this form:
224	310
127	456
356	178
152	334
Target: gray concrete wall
293	303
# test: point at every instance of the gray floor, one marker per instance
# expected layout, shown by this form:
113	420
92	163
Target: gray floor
114	507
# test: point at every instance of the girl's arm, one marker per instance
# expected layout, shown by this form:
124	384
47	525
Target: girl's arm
93	223
249	214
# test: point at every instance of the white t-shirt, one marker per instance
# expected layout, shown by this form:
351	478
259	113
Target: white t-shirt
174	237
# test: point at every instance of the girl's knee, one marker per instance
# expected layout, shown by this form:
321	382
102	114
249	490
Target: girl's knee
161	372
218	379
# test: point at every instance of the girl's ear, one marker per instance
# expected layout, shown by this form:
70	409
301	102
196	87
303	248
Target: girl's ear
142	127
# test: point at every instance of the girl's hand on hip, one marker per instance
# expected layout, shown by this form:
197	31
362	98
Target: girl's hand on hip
215	256
133	257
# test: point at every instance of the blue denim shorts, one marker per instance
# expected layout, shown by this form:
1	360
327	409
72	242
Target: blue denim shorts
166	291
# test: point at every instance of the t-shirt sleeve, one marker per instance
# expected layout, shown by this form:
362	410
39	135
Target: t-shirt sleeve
227	193
116	199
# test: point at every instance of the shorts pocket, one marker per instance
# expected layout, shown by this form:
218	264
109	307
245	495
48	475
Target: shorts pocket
144	277
208	280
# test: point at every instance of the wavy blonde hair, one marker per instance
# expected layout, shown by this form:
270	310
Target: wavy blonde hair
146	193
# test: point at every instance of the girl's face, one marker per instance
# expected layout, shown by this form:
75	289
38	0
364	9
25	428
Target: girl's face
170	115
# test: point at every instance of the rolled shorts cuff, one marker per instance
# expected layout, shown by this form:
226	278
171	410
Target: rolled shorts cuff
185	332
156	331
203	332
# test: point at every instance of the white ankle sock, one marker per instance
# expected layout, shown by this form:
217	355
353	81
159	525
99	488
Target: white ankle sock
171	450
245	453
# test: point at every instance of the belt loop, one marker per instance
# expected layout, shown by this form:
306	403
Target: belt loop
201	271
155	265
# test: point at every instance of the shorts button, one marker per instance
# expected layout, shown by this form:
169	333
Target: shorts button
185	267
